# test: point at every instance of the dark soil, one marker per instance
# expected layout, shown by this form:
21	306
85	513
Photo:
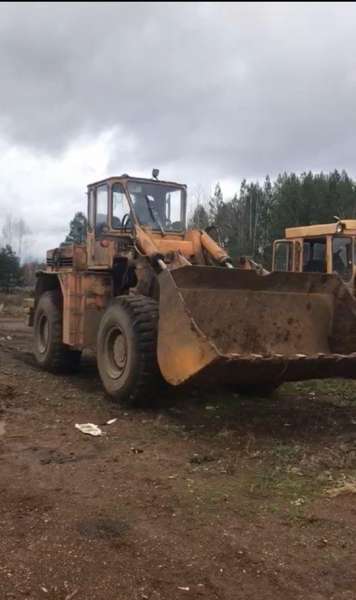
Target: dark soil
210	495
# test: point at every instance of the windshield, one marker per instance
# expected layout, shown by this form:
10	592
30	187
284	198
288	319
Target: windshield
314	255
283	256
160	206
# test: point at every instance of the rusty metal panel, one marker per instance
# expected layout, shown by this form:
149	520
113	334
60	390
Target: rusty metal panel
183	350
85	296
247	321
98	291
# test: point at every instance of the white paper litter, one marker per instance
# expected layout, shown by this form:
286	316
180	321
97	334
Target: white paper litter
89	428
111	421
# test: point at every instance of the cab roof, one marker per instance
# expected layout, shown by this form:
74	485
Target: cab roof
125	177
349	227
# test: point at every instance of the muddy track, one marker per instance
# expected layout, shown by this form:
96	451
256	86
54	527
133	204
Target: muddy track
211	495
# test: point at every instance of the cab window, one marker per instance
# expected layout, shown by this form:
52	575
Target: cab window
314	255
91	209
120	208
157	205
342	257
101	217
174	209
283	256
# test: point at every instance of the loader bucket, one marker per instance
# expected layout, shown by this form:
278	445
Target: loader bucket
237	327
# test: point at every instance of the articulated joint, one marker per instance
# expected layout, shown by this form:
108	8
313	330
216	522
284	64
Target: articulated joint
226	262
157	260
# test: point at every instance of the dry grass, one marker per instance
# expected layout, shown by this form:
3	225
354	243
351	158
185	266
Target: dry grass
343	488
13	304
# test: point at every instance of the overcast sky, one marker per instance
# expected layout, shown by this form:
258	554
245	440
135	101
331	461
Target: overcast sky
204	91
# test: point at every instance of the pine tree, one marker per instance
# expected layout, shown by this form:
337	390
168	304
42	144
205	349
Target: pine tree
77	229
200	218
10	275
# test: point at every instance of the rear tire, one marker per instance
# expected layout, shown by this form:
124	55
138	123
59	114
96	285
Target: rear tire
127	350
50	352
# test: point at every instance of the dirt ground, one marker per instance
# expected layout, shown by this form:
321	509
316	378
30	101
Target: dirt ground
211	495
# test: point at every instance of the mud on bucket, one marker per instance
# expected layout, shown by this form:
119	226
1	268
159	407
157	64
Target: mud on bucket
217	322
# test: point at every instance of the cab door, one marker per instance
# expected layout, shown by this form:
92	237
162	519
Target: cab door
283	256
342	257
316	254
99	250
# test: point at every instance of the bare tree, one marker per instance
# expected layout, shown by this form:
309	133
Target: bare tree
198	205
8	231
14	232
21	230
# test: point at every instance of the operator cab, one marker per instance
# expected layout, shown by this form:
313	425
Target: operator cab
329	248
117	203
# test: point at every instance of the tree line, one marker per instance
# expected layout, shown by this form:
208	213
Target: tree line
246	224
15	272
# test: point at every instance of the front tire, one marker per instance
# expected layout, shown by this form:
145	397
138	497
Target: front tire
50	352
127	349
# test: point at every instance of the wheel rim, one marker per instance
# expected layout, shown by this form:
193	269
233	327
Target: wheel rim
43	334
115	352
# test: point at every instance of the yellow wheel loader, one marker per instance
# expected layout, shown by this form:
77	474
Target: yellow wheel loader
157	300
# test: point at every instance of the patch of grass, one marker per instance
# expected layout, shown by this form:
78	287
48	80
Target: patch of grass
13	304
286	453
262	488
335	390
346	486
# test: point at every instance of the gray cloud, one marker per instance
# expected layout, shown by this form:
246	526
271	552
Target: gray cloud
205	91
237	88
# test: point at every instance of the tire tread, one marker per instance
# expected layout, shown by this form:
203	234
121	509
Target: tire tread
62	357
143	315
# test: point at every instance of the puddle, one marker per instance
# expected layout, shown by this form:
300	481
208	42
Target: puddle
2	428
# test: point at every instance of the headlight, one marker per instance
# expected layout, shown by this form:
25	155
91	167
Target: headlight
340	227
